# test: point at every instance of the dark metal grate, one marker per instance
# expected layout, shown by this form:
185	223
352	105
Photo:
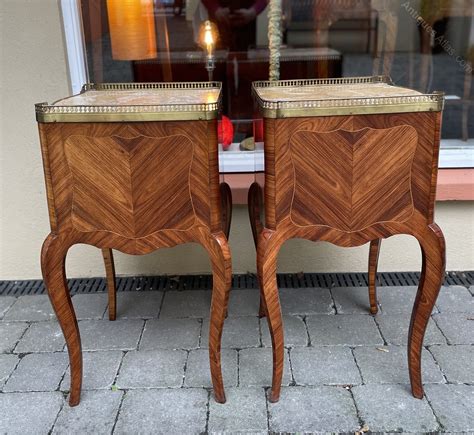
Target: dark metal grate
239	281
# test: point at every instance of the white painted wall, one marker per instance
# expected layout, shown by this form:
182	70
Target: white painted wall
33	69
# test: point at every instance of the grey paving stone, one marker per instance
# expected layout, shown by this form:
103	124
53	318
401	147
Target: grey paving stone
138	305
38	372
29	413
8	363
42	337
456	362
306	301
152	369
455	299
10	334
453	405
90	305
95	414
171	334
471	290
458	328
397	299
329	365
394	328
244	302
351	300
294	331
105	335
391	367
31	308
255	368
198	372
99	370
187	303
245	411
349	330
164	411
5	303
239	332
392	408
313	409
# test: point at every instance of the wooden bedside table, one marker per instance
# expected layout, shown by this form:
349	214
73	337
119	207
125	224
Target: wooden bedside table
348	161
133	167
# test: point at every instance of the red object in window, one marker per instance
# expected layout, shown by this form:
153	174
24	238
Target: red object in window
225	132
258	130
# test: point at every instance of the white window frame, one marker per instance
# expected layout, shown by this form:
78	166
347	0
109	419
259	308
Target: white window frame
454	153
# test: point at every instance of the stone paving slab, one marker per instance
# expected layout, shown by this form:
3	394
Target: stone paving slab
392	408
306	301
394	329
328	365
294	331
8	363
391	367
90	305
245	411
138	305
256	365
313	409
351	300
164	411
171	334
152	369
110	335
96	414
244	302
187	303
29	413
357	330
453	405
42	337
238	333
455	299
198	372
30	308
38	372
5	303
10	334
99	370
458	328
456	362
397	299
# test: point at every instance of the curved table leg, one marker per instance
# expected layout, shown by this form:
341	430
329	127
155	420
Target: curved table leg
433	254
373	261
111	285
254	201
219	253
268	246
53	256
226	207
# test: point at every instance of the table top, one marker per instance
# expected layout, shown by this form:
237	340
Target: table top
122	102
340	96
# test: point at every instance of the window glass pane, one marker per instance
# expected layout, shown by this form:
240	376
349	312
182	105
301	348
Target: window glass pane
424	44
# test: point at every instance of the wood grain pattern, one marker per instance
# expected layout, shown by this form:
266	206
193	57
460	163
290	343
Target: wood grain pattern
134	187
111	284
374	251
351	180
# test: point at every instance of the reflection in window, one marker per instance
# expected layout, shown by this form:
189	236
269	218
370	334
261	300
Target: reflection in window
424	44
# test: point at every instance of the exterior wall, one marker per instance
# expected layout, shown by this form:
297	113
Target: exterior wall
33	69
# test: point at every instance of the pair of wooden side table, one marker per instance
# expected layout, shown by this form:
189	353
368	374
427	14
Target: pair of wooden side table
134	167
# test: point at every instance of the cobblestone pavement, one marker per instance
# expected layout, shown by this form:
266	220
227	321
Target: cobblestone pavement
148	371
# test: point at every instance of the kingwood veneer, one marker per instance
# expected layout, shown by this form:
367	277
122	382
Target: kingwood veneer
348	161
134	168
